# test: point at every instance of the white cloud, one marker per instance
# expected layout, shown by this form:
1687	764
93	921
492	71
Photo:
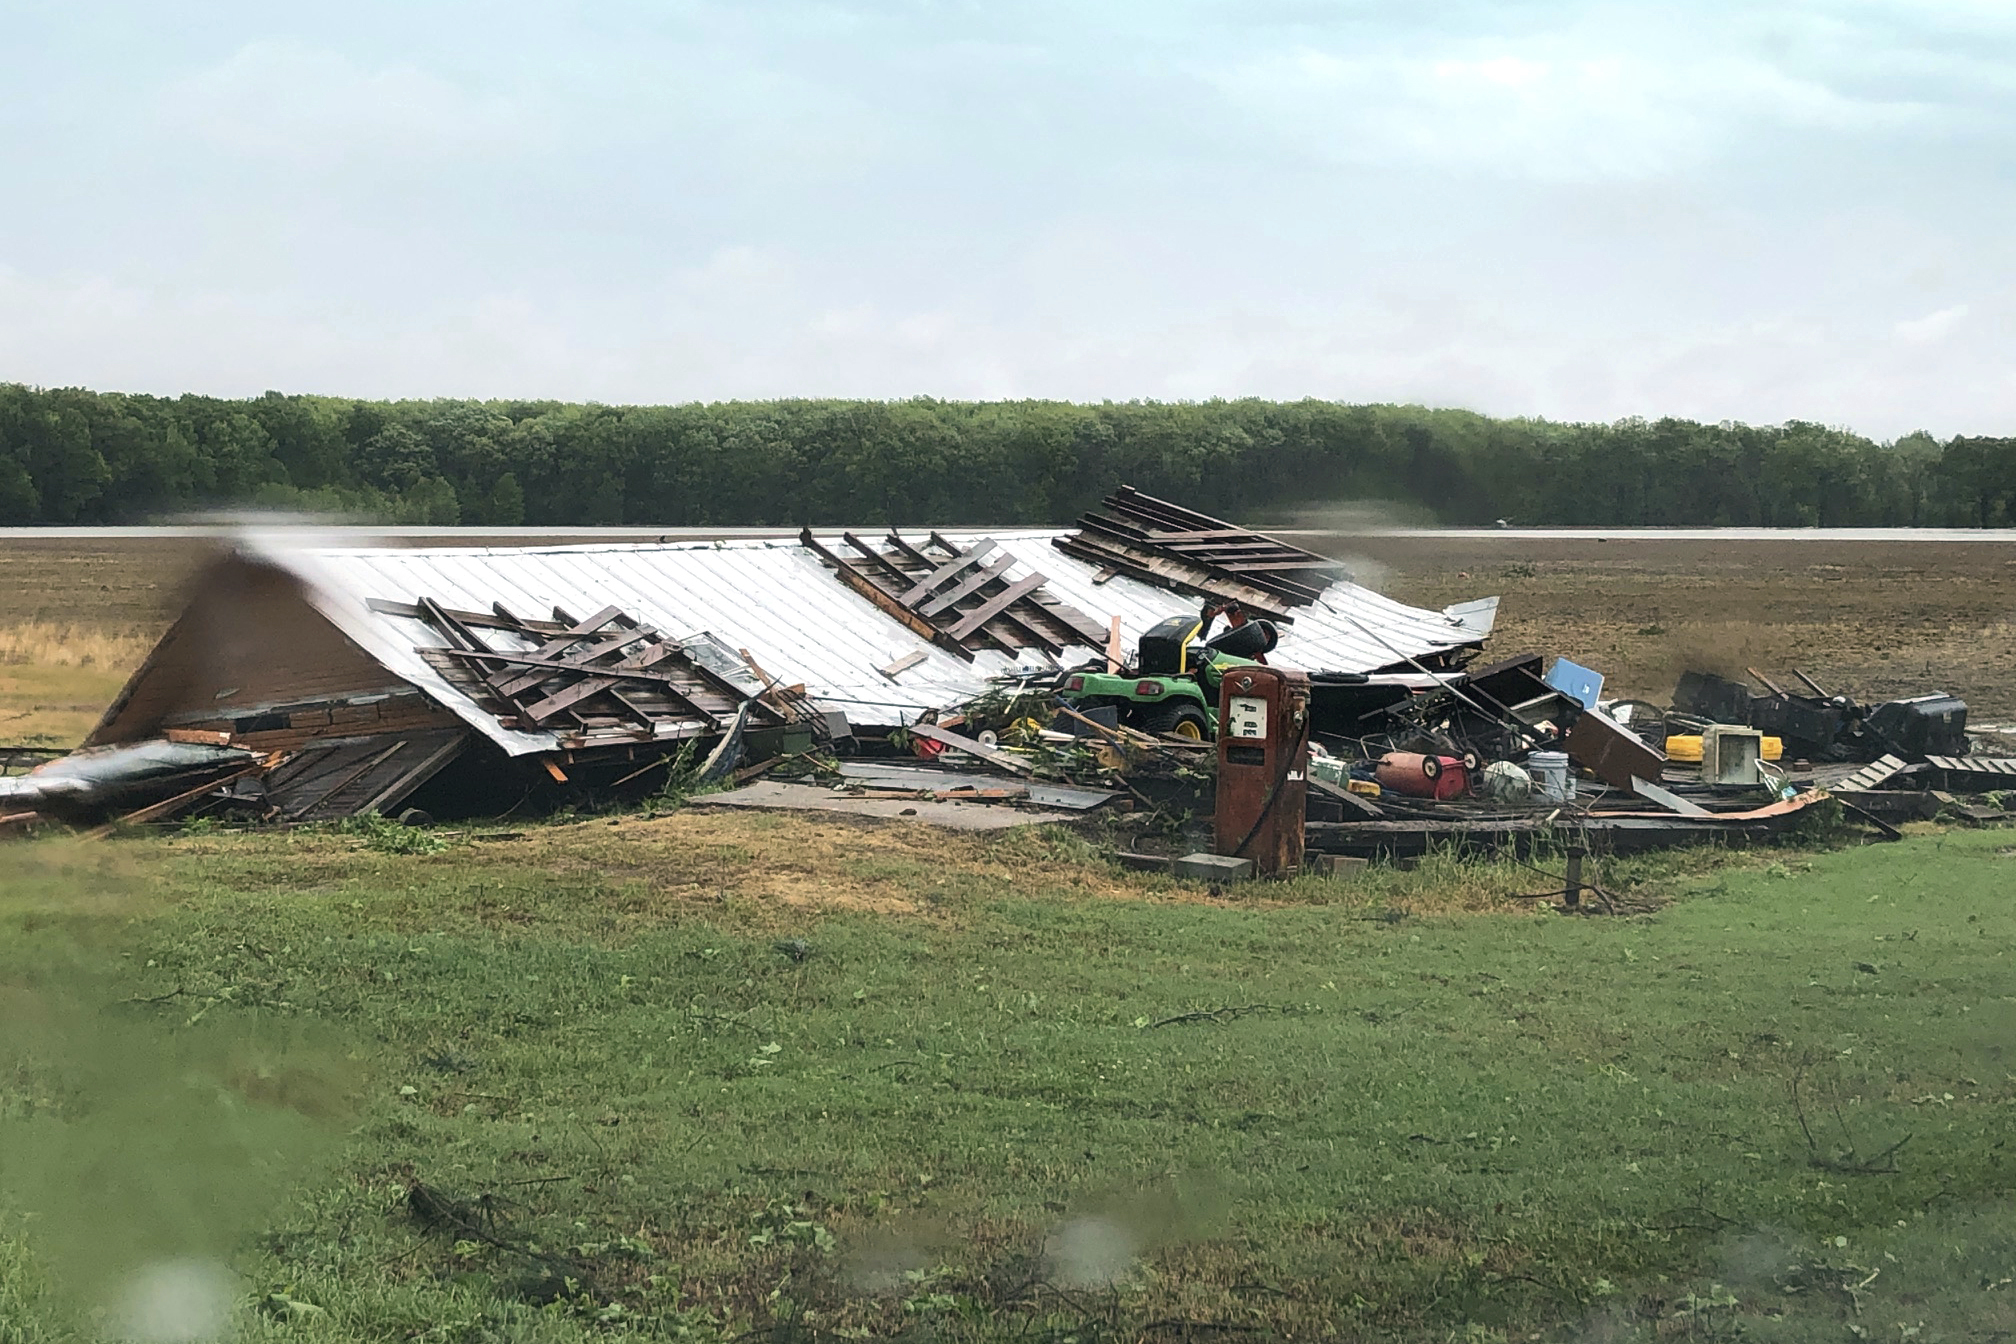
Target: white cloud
1549	114
1933	326
285	99
738	269
1579	209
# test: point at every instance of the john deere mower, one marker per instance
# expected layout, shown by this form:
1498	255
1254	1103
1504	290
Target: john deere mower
1173	685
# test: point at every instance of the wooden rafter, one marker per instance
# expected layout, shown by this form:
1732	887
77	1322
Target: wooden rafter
1173	547
959	598
605	679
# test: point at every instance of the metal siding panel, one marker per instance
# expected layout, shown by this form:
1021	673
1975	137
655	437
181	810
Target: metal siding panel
775	599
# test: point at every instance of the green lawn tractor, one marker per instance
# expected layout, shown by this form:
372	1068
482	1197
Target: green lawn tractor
1173	685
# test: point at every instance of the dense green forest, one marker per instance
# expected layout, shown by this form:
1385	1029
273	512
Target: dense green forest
74	456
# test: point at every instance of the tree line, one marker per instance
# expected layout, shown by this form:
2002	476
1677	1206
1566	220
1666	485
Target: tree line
72	456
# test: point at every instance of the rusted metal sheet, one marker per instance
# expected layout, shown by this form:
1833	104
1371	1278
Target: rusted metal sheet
1611	752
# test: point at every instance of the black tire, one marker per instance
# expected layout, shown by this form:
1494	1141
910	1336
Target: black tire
1174	719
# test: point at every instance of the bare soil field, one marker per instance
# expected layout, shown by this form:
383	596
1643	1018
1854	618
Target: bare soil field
1869	619
76	617
1873	619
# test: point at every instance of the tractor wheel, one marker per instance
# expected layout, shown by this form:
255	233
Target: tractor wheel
1179	720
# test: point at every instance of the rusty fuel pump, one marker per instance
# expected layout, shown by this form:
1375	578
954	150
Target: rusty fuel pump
1263	767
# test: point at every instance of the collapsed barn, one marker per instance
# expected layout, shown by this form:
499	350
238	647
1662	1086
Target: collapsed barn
459	681
965	678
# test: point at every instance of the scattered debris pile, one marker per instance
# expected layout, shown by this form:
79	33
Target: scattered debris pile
1519	747
948	678
461	682
1820	726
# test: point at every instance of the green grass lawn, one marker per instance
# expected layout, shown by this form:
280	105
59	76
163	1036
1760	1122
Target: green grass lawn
585	1084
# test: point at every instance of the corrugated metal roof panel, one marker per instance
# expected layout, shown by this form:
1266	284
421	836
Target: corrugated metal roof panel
775	599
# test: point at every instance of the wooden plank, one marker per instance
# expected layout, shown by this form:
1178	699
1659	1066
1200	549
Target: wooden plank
1211	534
456	633
1155	528
1767	683
995	605
578	657
713	681
311	765
895	542
1116	650
1269	566
566	639
903	664
590	686
348	778
497	620
168	805
1038	621
550	670
974	583
966	744
1179	577
648	721
861	584
1672	802
1337	793
413	776
1980	765
650	656
881	561
1869	776
1039	617
946	571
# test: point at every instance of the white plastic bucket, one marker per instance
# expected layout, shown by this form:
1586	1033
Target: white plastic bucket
1551	775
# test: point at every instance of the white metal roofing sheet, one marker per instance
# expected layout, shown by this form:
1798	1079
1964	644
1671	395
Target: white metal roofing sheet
802	625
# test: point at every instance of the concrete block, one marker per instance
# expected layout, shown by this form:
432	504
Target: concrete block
1338	865
1214	868
1145	863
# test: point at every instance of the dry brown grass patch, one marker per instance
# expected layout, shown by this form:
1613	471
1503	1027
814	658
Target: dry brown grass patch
789	862
49	644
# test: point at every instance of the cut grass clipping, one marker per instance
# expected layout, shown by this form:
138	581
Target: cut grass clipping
715	1078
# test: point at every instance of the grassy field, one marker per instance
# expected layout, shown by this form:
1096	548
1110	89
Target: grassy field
711	1077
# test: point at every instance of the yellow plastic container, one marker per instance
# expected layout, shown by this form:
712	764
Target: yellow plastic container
1688	748
1364	788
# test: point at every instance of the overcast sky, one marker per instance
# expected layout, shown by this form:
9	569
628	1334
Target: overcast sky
1754	211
